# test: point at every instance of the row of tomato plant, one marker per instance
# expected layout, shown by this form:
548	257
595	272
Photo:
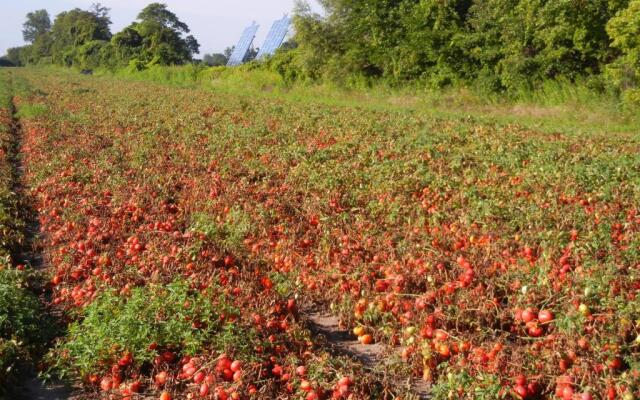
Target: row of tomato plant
155	301
503	262
21	322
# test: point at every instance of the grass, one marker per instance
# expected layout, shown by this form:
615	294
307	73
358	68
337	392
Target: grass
556	106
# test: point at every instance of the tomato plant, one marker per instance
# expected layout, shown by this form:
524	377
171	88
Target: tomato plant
504	262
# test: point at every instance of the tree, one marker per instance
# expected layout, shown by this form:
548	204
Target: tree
624	73
624	30
101	13
157	38
38	23
127	44
4	62
17	55
215	59
157	13
251	55
399	40
498	44
229	51
73	29
524	42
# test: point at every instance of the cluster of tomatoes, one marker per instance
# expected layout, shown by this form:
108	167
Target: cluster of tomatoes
509	297
98	236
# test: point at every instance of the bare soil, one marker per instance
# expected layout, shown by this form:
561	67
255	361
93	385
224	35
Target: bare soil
326	327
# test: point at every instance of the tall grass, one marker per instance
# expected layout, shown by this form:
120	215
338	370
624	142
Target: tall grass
574	107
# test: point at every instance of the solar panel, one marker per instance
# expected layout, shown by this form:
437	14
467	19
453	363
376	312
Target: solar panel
241	49
275	37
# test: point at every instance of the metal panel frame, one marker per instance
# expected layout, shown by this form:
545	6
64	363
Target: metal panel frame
275	37
241	49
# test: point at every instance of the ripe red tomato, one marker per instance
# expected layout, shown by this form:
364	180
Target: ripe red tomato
199	377
135	386
125	360
305	385
441	335
444	350
534	330
545	316
165	396
161	378
567	393
276	370
168	356
345	381
366	339
528	315
106	384
236	366
521	391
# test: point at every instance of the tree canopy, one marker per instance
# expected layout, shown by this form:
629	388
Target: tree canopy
38	23
157	37
501	45
215	59
83	38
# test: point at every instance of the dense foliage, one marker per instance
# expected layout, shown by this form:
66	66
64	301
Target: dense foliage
160	315
504	46
496	45
82	38
624	29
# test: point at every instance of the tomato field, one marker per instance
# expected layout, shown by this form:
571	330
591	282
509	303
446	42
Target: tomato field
186	233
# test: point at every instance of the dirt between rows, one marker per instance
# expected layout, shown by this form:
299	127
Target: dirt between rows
326	326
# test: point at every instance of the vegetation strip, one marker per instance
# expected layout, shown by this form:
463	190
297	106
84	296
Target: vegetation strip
24	327
570	48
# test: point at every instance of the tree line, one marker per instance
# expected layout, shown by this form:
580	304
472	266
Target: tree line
83	39
495	45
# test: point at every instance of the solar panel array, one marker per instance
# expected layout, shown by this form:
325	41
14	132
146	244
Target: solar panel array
275	37
241	49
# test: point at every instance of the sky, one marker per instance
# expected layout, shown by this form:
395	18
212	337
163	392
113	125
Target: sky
216	24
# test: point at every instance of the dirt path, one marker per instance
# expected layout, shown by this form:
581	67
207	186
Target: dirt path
30	386
373	357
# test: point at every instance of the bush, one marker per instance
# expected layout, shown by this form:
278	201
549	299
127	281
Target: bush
228	233
624	73
169	317
21	322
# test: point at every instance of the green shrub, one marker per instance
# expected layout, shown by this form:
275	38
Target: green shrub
624	73
229	233
157	314
21	321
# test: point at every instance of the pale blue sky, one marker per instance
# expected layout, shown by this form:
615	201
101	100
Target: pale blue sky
215	23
